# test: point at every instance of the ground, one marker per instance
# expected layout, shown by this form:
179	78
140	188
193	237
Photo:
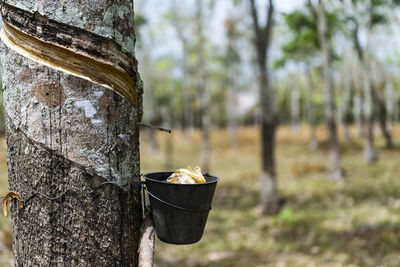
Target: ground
323	223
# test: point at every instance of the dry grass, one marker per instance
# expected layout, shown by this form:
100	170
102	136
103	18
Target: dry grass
356	223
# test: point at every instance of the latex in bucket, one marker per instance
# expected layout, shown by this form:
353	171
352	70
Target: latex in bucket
183	219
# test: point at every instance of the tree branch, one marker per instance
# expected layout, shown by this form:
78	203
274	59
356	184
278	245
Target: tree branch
262	34
256	25
270	22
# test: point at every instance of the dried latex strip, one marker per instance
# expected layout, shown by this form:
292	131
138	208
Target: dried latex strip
69	49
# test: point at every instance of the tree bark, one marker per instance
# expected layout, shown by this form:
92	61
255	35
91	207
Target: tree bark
202	90
312	120
231	74
369	149
378	88
382	117
391	102
368	101
270	200
329	92
63	132
346	114
295	108
357	102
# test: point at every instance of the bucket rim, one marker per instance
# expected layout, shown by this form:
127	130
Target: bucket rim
172	184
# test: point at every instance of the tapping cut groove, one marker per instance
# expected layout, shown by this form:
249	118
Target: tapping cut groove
69	49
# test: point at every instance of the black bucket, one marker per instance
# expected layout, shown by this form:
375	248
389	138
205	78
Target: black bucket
179	211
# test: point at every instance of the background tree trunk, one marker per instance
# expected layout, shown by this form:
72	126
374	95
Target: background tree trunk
364	58
391	102
378	93
202	89
382	118
312	120
369	148
357	102
295	108
270	200
63	131
346	114
232	73
329	92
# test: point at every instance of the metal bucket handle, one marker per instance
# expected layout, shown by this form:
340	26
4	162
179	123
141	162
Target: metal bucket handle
177	207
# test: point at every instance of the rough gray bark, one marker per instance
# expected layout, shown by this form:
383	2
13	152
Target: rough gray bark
63	131
202	89
368	101
369	148
382	117
329	91
378	92
346	108
295	108
391	102
357	102
231	80
270	200
311	111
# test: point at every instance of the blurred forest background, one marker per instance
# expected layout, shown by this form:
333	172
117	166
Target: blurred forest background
295	106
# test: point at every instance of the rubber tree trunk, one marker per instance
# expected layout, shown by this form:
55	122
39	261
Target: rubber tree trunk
312	120
295	108
202	90
390	102
368	101
232	66
346	108
63	132
369	147
382	117
357	103
378	93
231	116
187	93
270	199
329	93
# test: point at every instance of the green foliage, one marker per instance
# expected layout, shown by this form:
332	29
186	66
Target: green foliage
304	43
